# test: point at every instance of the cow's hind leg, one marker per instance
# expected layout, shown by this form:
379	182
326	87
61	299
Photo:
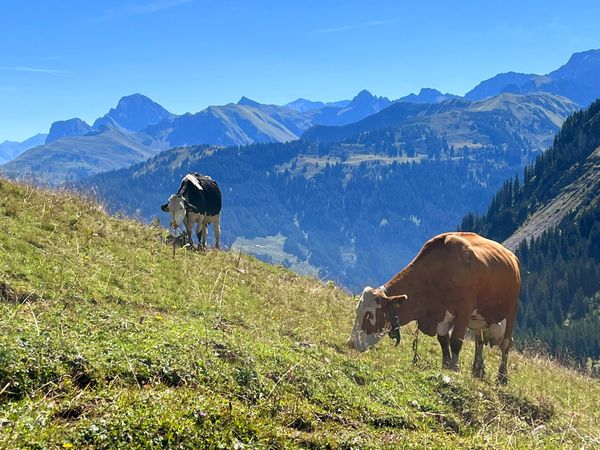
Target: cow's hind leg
445	344
189	225
199	235
217	227
478	365
506	345
457	339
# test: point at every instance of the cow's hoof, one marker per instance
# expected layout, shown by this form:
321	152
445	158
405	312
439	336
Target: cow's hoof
502	378
479	372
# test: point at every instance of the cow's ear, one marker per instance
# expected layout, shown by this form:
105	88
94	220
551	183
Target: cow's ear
165	207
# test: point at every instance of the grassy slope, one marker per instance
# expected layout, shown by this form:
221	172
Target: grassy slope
108	342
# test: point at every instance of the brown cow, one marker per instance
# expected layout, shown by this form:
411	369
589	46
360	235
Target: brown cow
457	281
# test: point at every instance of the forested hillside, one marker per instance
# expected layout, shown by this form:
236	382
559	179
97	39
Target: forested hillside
354	211
552	217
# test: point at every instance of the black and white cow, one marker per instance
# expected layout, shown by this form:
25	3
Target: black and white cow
198	201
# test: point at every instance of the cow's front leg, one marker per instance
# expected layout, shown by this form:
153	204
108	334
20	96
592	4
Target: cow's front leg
188	233
445	345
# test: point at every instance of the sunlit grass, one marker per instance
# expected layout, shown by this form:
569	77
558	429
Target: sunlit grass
107	341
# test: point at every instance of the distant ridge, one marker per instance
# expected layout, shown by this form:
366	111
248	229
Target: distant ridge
72	158
134	112
362	105
427	95
9	150
67	128
578	80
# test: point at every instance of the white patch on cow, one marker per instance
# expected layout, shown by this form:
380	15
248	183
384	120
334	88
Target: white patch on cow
367	304
477	322
445	325
495	333
193	180
491	334
176	210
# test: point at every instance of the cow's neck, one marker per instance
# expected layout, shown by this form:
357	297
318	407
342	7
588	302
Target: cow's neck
405	283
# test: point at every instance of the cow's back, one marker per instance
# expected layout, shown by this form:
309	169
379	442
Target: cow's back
467	267
213	200
206	201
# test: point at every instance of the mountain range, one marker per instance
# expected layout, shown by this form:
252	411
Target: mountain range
337	208
578	79
11	149
465	123
134	113
76	157
248	121
138	128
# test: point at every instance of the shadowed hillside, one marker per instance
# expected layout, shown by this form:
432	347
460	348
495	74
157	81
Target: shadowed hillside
106	341
551	216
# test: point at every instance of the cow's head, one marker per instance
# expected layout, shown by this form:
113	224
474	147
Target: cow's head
176	208
374	313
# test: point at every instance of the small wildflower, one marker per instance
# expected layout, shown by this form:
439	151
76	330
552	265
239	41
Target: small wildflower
158	317
67	445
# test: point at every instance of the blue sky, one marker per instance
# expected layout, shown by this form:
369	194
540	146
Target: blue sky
77	58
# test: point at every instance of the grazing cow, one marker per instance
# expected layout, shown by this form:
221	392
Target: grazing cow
457	281
197	202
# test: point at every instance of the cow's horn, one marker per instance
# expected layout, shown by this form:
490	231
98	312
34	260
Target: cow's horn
393	298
